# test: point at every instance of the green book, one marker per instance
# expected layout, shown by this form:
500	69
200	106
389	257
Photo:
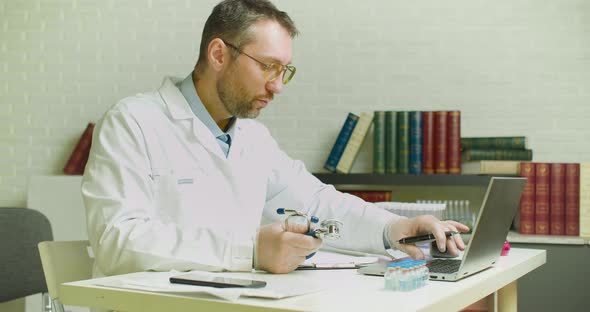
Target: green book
497	154
403	142
390	142
516	142
379	142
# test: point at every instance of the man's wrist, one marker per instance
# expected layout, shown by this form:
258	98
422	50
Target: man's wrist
386	239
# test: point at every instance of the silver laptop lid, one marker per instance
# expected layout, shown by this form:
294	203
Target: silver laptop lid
499	206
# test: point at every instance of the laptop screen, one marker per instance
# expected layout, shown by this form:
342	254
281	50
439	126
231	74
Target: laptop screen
500	205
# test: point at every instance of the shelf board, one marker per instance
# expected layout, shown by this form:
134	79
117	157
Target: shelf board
402	179
515	237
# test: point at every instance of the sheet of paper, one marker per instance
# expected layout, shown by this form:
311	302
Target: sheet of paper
328	258
278	285
159	282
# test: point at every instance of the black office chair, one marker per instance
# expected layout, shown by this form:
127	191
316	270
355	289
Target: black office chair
21	273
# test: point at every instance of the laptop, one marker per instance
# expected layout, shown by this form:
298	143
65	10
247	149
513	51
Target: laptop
499	206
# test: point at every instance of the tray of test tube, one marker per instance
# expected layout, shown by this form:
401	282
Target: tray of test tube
406	275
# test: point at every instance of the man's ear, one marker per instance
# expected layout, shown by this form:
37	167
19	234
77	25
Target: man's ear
217	53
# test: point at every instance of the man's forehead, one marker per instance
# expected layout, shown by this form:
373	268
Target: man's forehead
271	41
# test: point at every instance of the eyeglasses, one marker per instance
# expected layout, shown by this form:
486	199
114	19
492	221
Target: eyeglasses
273	70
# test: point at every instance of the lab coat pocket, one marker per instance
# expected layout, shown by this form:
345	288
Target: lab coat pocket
177	191
188	183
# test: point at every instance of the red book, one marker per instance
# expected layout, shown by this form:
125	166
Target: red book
77	161
454	142
440	142
526	224
572	199
428	142
372	196
557	199
542	191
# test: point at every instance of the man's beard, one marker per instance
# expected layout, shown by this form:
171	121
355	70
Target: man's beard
235	98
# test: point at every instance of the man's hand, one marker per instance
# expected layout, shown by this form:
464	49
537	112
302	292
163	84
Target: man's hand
424	225
281	251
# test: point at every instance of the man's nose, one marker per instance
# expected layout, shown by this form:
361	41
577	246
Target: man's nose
275	86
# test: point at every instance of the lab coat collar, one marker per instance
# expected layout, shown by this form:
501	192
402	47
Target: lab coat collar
175	101
180	109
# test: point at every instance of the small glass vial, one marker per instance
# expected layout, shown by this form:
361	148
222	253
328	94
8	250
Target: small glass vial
425	273
391	278
405	279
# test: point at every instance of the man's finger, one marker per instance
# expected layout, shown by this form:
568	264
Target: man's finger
452	247
296	227
302	241
459	241
459	226
412	251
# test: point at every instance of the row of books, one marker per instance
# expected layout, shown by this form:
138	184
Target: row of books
417	142
371	196
556	198
79	156
404	142
551	200
495	148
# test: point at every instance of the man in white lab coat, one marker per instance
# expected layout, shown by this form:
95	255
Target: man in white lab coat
179	178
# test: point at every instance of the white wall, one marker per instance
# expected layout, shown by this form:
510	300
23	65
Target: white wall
519	67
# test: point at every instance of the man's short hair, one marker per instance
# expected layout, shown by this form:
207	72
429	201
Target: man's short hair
231	21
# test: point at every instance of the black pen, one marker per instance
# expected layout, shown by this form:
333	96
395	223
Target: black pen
424	238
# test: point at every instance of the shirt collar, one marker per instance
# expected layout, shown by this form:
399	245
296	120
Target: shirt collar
187	88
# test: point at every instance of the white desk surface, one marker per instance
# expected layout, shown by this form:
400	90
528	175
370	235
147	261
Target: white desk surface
347	291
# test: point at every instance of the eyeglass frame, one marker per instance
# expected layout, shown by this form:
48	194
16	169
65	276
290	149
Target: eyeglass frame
267	67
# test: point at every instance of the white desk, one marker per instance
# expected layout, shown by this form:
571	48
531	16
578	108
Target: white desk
349	291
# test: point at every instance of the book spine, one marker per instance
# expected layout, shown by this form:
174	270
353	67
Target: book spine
493	143
415	142
496	154
428	142
503	167
379	142
354	143
372	196
454	142
403	142
440	142
542	191
79	157
585	199
572	199
526	215
87	135
341	141
390	142
557	199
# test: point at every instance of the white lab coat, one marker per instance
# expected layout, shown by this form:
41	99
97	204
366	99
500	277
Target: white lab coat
161	195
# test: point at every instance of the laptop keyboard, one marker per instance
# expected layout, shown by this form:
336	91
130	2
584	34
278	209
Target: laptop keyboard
443	266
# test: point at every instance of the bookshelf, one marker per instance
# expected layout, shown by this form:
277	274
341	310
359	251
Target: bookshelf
402	179
517	238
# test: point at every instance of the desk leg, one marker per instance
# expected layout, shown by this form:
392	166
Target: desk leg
505	298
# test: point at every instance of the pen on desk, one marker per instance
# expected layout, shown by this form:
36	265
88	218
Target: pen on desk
424	238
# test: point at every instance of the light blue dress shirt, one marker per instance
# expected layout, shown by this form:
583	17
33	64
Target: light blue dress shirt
187	88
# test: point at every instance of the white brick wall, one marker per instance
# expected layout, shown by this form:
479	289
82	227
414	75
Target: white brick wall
511	67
